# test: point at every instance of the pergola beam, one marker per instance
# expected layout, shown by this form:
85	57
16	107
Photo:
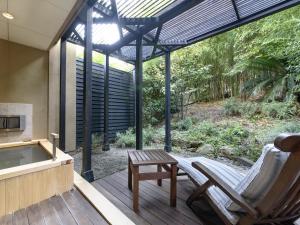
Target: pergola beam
102	10
245	20
139	21
87	172
116	18
171	13
144	25
156	40
109	18
236	9
126	21
78	36
149	41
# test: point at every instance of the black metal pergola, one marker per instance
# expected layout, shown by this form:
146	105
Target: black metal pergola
139	30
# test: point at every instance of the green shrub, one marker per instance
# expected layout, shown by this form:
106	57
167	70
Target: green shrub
184	124
97	140
149	135
234	134
250	109
206	128
126	139
280	110
268	136
232	107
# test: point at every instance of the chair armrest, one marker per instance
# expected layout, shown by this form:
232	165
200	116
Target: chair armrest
229	191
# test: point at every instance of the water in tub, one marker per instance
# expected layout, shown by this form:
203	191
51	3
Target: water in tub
17	156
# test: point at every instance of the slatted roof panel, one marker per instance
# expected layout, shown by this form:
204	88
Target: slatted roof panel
168	25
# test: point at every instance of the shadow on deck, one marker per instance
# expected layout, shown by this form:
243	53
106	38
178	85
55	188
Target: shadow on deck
154	201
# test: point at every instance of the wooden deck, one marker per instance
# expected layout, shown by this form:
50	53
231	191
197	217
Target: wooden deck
69	209
154	200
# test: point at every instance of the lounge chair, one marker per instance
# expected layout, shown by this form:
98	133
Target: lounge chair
268	194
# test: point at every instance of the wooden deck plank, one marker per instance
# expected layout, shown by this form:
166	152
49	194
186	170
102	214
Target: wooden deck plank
20	217
63	212
70	208
92	213
50	215
144	213
123	207
164	213
161	204
108	210
164	196
35	216
82	211
154	200
80	216
6	220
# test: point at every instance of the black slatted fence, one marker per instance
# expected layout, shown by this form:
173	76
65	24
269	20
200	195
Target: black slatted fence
121	101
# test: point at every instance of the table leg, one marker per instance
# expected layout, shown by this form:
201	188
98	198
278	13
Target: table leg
129	175
159	169
173	185
135	188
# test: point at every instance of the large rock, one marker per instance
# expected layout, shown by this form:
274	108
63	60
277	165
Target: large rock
206	149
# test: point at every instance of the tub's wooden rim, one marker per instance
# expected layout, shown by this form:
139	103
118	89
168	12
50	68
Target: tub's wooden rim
20	143
61	159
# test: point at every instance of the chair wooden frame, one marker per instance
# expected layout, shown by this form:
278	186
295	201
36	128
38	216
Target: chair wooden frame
281	205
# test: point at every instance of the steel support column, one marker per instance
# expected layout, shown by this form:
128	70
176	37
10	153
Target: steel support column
106	104
62	95
168	145
87	172
139	94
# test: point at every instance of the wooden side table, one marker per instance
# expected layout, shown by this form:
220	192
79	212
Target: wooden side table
161	159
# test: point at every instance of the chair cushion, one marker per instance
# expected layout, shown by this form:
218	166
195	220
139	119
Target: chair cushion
259	179
228	174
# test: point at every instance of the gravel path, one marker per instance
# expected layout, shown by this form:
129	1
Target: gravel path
107	163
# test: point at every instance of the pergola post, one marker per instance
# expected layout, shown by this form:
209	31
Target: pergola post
139	94
62	95
106	104
87	172
168	145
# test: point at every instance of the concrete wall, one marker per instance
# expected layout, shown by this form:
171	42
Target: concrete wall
54	84
24	79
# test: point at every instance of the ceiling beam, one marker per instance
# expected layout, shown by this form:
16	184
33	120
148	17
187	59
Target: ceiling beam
236	9
156	40
139	21
116	18
127	21
165	17
102	9
146	38
78	36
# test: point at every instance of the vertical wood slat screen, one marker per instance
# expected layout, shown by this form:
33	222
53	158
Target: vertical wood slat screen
121	101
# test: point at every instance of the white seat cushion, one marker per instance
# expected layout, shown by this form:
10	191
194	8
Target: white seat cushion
258	181
226	173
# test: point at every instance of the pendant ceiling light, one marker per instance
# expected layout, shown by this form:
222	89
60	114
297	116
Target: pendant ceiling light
7	14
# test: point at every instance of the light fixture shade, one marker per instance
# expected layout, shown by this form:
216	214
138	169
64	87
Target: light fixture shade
7	15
